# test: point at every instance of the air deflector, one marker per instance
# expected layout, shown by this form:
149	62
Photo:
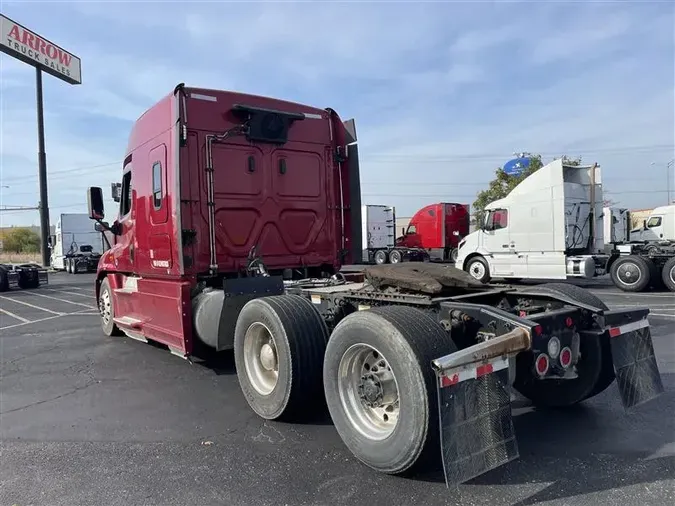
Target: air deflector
267	125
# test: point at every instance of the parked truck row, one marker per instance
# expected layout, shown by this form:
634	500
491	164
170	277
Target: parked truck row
432	234
237	217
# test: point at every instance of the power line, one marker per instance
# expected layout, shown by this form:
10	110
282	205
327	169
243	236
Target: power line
399	158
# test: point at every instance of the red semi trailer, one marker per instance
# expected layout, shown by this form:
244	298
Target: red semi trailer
437	228
236	215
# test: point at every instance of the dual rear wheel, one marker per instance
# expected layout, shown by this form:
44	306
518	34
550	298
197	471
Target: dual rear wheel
375	372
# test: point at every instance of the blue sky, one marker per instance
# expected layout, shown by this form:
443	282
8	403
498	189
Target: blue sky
443	92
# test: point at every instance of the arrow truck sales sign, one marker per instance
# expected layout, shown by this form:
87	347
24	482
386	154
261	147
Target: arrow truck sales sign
19	42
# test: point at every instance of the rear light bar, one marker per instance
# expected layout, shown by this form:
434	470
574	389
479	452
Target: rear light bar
628	327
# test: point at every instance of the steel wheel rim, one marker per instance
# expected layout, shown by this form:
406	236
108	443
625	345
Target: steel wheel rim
477	270
104	307
394	258
672	274
368	392
626	273
261	358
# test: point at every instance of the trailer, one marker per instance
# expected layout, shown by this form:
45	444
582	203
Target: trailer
379	238
245	211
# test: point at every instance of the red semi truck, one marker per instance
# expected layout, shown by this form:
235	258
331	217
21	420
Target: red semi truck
236	215
437	228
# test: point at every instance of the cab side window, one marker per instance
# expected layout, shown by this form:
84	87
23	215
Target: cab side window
654	221
497	219
125	201
412	229
157	185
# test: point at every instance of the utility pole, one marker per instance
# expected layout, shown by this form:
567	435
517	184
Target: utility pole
42	171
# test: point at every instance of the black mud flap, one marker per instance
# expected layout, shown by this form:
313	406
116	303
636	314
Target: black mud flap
43	276
637	373
238	291
477	433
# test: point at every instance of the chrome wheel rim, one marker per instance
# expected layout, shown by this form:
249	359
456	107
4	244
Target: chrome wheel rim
477	270
368	392
104	307
260	358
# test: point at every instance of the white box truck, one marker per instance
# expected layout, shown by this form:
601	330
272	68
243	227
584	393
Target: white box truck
76	245
378	232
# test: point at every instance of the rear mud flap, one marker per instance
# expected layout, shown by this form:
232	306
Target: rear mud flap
637	373
477	433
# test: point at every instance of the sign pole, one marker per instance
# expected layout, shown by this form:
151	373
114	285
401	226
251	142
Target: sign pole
42	171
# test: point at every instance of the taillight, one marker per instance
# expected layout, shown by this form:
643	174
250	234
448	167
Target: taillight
568	321
541	364
565	357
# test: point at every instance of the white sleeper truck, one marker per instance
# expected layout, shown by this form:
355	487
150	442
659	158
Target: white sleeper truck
549	227
553	226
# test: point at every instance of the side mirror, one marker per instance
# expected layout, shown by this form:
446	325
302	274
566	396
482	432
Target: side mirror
644	224
95	203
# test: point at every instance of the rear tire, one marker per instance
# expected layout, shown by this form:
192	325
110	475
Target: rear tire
394	256
631	273
597	373
454	253
380	257
392	438
668	274
279	343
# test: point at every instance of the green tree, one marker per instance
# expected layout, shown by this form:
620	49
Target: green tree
21	240
503	183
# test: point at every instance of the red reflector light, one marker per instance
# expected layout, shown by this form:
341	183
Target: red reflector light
569	322
538	330
616	331
542	364
565	357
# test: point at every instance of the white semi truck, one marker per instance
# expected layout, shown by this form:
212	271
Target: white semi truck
76	245
378	233
552	226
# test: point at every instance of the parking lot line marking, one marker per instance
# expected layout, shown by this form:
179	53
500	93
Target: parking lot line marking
15	316
663	315
77	288
29	322
631	294
31	305
69	293
64	300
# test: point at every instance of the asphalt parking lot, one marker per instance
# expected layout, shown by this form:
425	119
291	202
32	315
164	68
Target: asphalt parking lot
86	419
